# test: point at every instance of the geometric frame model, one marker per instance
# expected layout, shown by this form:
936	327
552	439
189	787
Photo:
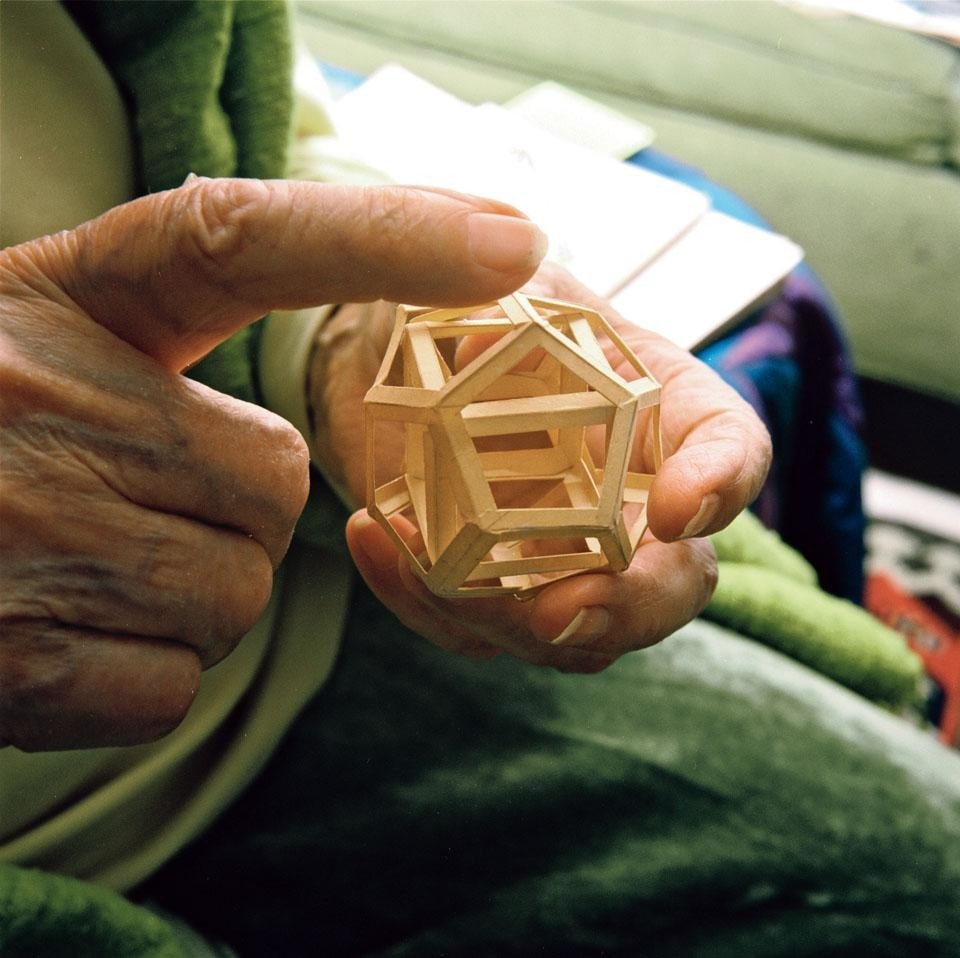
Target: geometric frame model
517	432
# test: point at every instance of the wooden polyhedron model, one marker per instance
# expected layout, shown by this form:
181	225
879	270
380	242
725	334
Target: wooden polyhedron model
515	466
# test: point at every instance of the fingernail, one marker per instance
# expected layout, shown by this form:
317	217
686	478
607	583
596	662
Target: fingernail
709	506
505	243
589	623
191	176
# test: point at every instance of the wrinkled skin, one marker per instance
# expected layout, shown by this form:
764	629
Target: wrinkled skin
142	515
718	454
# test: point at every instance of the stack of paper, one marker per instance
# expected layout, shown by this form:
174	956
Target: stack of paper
652	245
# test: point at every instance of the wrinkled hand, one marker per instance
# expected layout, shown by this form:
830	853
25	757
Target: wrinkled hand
718	454
142	514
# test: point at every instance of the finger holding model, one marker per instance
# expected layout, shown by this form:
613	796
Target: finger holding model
717	457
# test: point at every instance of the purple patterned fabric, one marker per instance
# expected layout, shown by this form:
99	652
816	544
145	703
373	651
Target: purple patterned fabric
790	362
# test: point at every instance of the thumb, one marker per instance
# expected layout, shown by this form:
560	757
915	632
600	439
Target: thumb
176	273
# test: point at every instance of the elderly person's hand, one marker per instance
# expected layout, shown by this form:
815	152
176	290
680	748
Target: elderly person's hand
717	452
142	514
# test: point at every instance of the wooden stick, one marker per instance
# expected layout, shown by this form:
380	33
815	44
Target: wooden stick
564	562
525	463
393	347
422	359
617	460
532	523
495	362
537	413
472	327
461	557
462	466
515	386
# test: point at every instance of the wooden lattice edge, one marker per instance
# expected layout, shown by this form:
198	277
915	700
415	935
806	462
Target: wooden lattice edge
463	530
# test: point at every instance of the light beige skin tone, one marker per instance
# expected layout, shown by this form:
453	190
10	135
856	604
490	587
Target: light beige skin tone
718	454
141	514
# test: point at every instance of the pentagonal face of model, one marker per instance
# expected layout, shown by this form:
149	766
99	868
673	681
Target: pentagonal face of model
516	434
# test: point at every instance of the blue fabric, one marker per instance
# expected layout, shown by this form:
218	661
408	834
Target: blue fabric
790	361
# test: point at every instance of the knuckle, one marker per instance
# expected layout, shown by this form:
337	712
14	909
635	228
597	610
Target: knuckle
160	722
36	671
57	694
252	596
166	712
293	458
223	217
281	481
392	211
280	442
288	466
709	572
231	600
254	476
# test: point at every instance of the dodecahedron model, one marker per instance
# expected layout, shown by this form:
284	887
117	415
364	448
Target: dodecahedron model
516	422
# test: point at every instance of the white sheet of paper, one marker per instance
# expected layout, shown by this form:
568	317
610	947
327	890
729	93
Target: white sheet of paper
709	278
575	117
605	219
653	245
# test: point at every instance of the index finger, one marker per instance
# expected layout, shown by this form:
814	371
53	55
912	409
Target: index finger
177	272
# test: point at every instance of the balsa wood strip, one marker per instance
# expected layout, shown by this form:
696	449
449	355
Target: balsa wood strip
512	427
536	413
530	523
538	565
495	362
459	559
422	354
583	336
461	463
617	462
393	347
515	386
472	327
526	463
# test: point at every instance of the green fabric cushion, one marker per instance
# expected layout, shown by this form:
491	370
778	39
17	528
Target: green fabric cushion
759	64
52	916
208	87
845	135
832	636
880	233
706	797
769	592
